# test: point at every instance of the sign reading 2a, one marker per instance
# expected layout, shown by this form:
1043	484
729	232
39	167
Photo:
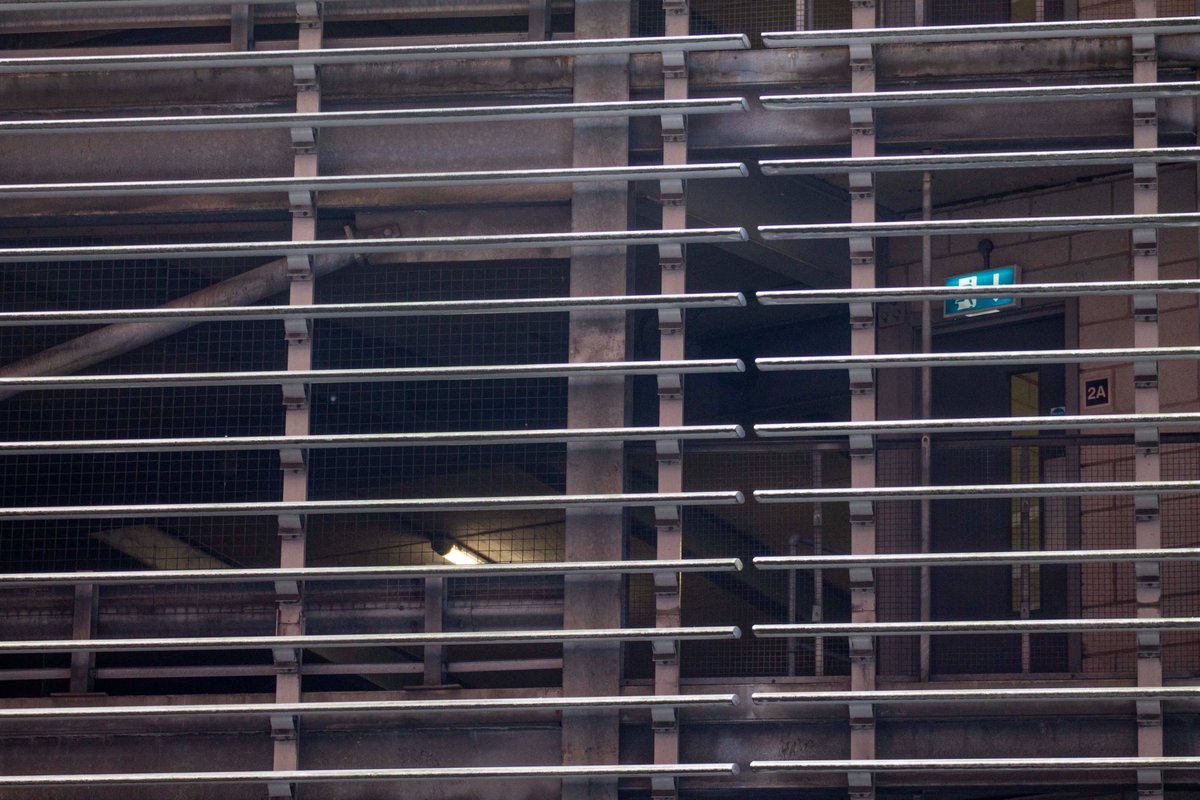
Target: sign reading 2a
1097	392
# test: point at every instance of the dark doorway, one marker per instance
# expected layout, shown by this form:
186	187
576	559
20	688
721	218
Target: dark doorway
1001	591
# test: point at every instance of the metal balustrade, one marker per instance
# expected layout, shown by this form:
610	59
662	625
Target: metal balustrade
381	375
401	572
371	55
998	160
11	255
389	116
324	641
1015	31
380	506
367	310
1004	94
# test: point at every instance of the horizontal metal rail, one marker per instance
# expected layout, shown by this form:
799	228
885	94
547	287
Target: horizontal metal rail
923	426
374	55
932	34
1037	694
974	492
1006	94
884	560
946	161
365	246
1105	763
969	359
390	116
937	627
381	506
367	640
360	775
138	673
523	305
371	707
340	440
950	227
406	572
380	375
329	183
910	294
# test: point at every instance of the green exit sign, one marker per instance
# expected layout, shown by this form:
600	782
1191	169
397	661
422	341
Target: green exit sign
974	306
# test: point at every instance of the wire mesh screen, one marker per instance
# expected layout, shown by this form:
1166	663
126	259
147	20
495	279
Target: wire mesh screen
1181	579
751	17
758	596
164	477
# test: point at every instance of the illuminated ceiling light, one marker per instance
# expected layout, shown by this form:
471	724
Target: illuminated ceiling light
457	553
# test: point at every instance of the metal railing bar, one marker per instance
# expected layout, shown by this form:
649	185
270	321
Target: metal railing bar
261	670
950	227
406	572
370	707
978	491
932	34
353	440
523	305
360	775
382	506
923	426
789	363
982	695
902	294
974	764
367	640
375	55
1005	94
971	559
937	627
380	375
390	116
375	181
906	163
364	246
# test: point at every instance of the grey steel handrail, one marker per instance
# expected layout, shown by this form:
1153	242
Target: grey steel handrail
1106	763
909	294
1006	94
1034	694
488	704
380	774
950	227
373	55
380	375
323	441
974	492
932	34
968	359
389	116
965	425
331	183
382	245
402	572
367	640
938	627
523	305
945	161
885	560
381	506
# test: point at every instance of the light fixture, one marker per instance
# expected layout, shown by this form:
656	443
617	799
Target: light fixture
457	553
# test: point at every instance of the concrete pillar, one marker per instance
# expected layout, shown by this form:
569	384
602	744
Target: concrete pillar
668	521
596	601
